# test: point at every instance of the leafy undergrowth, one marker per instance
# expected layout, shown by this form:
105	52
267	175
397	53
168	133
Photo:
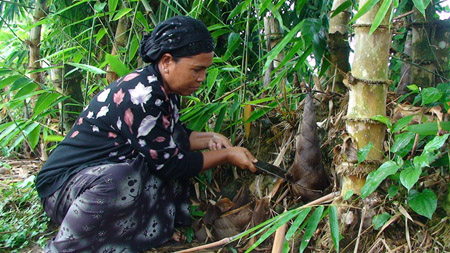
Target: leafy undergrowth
23	225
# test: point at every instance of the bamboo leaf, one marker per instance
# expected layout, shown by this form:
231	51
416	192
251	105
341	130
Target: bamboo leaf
297	222
256	114
53	138
99	7
334	226
112	5
313	221
289	56
4	71
6	129
28	128
121	13
259	101
233	43
211	80
220	118
33	136
191	111
100	34
44	69
20	83
200	119
44	101
26	90
140	17
134	46
280	46
70	7
9	80
384	8
283	220
118	67
88	68
239	9
62	52
342	7
299	6
421	5
364	9
263	6
260	227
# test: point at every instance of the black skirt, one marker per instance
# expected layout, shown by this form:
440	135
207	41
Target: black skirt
116	208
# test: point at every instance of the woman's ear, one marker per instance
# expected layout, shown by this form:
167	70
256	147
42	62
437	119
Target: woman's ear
165	61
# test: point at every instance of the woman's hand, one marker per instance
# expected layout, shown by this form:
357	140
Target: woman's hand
218	141
241	158
208	140
237	156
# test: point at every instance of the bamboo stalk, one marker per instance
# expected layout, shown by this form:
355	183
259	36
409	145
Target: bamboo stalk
279	239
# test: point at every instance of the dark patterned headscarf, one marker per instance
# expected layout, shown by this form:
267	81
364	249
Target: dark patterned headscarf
180	36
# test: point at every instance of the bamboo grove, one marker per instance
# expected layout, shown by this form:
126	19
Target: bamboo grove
382	116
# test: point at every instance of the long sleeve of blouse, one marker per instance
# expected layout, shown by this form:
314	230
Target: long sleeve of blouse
132	116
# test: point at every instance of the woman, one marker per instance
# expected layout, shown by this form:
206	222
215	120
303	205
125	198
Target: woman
119	180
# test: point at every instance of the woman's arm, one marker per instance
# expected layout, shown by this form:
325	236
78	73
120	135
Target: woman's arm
208	140
237	156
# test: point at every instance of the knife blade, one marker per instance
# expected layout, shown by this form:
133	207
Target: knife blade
273	170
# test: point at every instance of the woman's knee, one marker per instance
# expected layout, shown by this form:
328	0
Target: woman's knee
124	184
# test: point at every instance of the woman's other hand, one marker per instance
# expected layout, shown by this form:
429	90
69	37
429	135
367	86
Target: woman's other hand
208	140
218	141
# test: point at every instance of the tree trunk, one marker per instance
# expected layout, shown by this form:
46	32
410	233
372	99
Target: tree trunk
34	59
421	50
405	71
338	46
367	98
35	40
273	36
441	48
120	41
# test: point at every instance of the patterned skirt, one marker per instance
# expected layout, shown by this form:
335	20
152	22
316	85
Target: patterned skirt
116	208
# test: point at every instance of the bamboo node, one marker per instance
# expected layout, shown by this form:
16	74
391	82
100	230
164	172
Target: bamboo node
350	79
362	120
370	25
360	170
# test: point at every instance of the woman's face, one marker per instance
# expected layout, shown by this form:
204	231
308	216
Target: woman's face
184	77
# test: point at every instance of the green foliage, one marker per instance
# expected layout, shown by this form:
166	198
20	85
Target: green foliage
423	203
379	220
22	219
421	5
406	171
81	34
299	224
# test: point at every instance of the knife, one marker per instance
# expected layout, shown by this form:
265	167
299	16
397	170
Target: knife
273	170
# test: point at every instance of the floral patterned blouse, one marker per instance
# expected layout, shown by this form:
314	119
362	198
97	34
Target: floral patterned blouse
132	116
